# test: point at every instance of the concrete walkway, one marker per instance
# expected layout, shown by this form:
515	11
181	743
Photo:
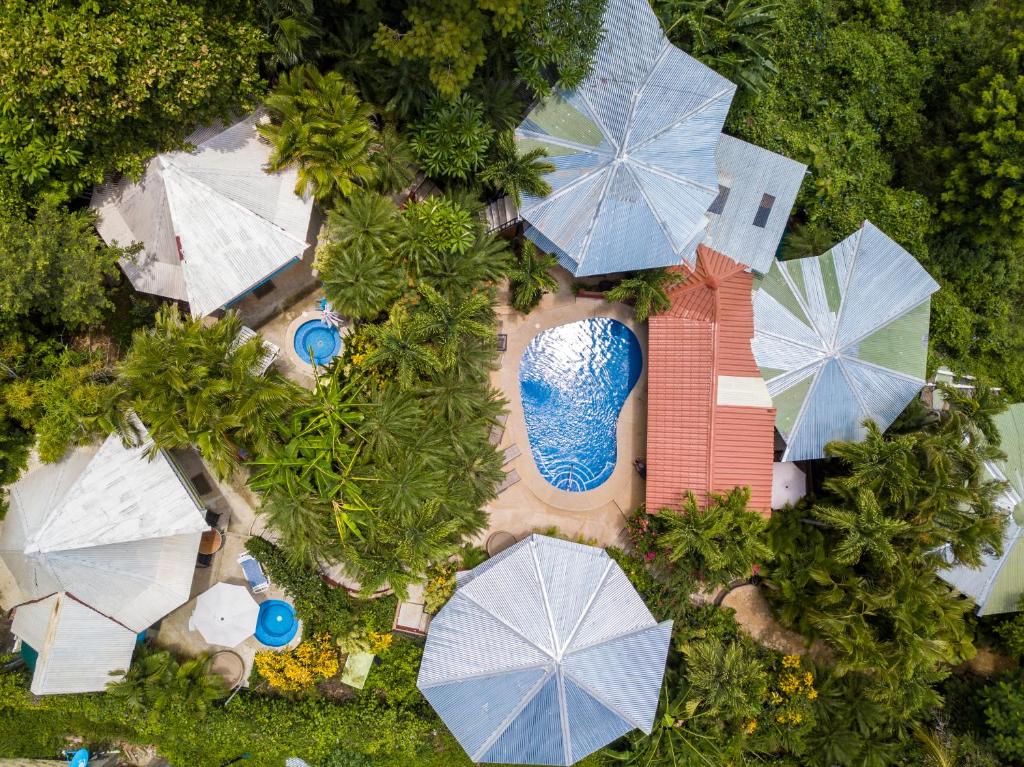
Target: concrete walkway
239	521
533	504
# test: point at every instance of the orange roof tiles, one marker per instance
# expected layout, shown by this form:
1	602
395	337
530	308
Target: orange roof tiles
694	443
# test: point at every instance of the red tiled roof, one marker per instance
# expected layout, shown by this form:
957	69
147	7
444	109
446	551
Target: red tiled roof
693	443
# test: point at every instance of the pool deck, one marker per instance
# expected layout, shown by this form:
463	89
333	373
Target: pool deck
280	329
531	504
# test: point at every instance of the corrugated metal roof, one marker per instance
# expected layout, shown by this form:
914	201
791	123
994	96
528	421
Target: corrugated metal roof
710	424
633	149
78	647
110	526
213	224
749	173
544	654
841	338
998	584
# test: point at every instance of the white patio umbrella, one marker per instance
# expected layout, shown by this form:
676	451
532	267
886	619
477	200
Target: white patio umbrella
225	615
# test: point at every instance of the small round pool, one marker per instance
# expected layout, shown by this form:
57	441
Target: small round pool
277	624
320	338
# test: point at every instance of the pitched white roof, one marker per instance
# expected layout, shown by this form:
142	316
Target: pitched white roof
109	526
78	647
212	222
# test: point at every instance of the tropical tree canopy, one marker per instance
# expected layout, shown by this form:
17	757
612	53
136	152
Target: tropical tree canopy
648	291
530	277
319	124
193	384
514	173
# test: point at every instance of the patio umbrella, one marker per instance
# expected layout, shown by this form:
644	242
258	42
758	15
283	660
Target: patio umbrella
225	615
841	338
634	152
544	654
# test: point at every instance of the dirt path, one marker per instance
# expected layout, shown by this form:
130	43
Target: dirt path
755	617
988	663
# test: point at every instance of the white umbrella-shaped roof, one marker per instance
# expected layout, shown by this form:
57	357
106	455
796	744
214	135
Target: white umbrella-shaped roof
213	223
225	614
633	149
841	338
117	529
544	654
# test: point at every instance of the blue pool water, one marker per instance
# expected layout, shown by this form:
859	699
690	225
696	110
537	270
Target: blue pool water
324	340
574	380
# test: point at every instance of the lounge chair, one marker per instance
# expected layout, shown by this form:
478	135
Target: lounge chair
498	430
510	453
510	479
258	581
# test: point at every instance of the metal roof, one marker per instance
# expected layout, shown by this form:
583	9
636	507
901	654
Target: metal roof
212	222
710	421
108	525
998	584
841	338
544	654
78	647
633	149
749	174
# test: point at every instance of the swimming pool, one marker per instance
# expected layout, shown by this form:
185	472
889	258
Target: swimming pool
323	339
574	380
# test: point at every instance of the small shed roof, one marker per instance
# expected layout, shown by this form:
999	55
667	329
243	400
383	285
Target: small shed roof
78	647
544	654
633	149
710	421
756	192
841	338
212	222
998	584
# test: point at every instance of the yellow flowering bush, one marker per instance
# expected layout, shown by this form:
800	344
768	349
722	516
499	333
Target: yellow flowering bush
791	697
380	641
300	669
440	586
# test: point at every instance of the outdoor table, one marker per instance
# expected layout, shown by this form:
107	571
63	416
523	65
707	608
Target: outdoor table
211	541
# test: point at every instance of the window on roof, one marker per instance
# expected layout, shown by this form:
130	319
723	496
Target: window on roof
719	204
763	210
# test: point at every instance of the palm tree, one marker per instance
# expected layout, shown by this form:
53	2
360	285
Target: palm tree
293	29
864	531
192	384
359	284
451	325
679	737
391	423
366	221
485	261
733	37
721	542
517	174
404	544
156	681
647	289
309	478
399	346
392	157
530	277
319	125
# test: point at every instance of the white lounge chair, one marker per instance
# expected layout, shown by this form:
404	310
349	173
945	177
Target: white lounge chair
258	581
